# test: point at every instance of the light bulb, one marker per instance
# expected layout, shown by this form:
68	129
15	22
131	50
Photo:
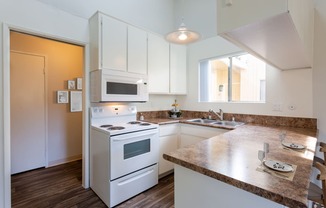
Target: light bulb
182	36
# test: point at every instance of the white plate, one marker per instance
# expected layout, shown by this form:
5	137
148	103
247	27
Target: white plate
279	166
293	145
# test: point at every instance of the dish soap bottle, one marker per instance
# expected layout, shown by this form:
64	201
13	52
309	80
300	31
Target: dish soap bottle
141	117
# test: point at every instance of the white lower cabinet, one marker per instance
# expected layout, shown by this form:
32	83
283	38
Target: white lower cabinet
177	135
191	134
168	143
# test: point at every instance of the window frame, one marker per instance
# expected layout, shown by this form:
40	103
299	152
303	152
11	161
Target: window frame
229	100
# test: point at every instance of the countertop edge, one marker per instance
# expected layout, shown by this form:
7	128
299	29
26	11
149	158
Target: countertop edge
239	184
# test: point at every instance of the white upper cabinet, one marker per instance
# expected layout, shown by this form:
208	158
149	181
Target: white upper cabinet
114	44
178	69
167	72
158	65
117	45
280	31
137	50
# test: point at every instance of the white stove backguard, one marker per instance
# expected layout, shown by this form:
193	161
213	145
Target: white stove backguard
113	114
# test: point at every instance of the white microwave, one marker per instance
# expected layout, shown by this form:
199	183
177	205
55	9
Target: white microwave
118	86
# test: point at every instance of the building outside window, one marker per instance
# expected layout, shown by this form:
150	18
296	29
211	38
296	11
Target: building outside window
236	78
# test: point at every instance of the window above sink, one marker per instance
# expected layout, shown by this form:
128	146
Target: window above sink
236	78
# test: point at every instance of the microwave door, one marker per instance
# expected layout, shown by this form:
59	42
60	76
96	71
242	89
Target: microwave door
125	89
115	88
118	86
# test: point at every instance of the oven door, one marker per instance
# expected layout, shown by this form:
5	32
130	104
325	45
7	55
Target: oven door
133	151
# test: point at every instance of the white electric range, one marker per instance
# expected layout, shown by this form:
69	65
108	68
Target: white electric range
123	153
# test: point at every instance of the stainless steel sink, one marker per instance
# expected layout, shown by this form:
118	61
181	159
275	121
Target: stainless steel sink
228	123
216	122
199	120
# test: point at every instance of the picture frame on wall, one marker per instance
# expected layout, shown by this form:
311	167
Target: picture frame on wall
71	85
76	101
62	97
79	83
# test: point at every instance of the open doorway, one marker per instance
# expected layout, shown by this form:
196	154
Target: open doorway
61	127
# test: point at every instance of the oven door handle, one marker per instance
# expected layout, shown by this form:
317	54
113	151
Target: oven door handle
136	177
148	133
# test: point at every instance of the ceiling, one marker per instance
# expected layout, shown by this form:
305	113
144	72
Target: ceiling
198	15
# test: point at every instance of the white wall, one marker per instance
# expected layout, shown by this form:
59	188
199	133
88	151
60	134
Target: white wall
284	87
3	182
157	103
319	72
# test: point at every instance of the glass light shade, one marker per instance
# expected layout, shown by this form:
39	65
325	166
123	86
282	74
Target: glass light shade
182	35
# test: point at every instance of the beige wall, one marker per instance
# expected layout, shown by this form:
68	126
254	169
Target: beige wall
64	62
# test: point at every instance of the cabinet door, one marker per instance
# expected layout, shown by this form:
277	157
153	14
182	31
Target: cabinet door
167	144
158	65
191	134
178	69
137	50
114	44
189	139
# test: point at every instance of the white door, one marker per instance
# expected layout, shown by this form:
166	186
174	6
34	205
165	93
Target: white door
27	111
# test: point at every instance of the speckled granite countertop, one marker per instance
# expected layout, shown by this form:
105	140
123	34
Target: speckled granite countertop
232	158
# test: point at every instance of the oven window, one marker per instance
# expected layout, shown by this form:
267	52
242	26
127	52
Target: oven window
136	148
115	88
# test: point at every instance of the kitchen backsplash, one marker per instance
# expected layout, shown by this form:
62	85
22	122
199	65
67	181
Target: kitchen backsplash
264	120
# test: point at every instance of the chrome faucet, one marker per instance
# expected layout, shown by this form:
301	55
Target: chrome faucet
219	115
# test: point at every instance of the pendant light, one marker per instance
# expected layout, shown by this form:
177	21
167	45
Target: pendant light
182	35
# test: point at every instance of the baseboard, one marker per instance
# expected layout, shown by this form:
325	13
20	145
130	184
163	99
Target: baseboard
64	160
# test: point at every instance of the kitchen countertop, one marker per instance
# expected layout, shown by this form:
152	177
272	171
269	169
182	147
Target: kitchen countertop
232	158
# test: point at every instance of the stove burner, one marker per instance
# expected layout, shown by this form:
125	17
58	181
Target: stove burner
106	125
134	122
116	128
144	124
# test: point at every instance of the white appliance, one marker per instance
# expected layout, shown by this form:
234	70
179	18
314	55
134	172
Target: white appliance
118	86
124	153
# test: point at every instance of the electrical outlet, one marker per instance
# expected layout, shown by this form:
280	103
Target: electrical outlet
277	107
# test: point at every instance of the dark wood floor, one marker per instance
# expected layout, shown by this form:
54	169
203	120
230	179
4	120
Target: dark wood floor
60	186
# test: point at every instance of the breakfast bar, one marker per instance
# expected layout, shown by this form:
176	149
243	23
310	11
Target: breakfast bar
224	171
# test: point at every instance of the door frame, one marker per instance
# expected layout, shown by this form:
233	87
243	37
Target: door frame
46	163
6	104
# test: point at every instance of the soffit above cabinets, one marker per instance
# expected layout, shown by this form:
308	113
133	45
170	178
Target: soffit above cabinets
274	40
280	32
